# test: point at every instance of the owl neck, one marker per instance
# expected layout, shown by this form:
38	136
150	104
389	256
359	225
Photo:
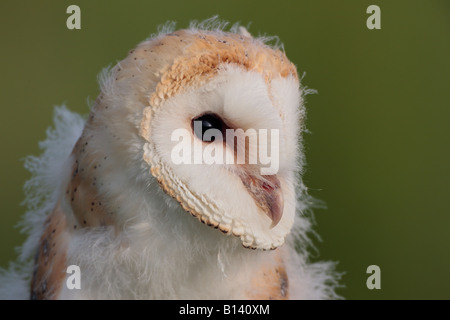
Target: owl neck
141	242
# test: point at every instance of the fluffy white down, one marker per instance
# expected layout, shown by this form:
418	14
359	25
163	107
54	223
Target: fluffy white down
42	191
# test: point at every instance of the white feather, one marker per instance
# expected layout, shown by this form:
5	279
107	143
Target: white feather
42	192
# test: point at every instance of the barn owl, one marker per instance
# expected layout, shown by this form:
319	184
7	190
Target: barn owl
107	196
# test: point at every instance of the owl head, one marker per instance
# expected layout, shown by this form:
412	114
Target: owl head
215	118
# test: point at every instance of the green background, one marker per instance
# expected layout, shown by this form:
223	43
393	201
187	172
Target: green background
378	152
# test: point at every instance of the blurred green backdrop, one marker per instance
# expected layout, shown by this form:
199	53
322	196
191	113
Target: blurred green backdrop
378	152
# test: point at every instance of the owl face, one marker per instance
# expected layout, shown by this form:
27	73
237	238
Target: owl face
220	124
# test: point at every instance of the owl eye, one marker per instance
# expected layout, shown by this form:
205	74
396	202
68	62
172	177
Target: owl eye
205	122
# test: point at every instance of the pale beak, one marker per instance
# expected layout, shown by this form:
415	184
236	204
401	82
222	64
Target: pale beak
267	193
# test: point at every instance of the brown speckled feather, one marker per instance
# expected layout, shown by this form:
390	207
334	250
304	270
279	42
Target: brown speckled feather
85	209
50	263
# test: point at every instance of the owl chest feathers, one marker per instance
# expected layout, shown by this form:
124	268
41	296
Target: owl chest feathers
160	253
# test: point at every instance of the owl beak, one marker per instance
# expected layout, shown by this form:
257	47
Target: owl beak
267	193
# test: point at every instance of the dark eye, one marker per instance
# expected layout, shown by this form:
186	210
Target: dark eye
205	122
